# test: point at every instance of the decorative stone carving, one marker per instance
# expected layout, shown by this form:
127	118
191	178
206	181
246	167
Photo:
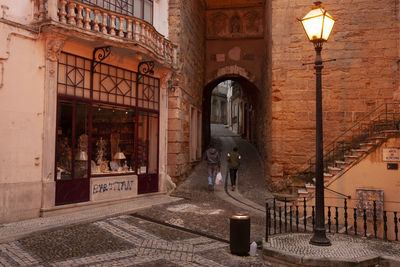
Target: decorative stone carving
235	24
218	23
252	21
53	48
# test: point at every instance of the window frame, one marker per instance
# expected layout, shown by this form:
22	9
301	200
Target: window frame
149	105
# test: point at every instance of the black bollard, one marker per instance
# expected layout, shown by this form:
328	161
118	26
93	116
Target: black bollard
240	234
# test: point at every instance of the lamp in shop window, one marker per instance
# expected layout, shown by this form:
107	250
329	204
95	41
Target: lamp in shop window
119	156
81	155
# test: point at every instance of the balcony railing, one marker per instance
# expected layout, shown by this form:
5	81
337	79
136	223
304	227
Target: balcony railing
106	22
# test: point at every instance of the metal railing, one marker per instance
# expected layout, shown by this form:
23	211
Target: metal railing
382	118
97	20
286	217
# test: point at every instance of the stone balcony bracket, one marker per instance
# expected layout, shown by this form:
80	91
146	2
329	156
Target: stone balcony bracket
91	22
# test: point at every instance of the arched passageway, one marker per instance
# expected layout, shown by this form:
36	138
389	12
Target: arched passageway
242	113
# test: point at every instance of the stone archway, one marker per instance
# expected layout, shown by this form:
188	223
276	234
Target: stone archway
250	94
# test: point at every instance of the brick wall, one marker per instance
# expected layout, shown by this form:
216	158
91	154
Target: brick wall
365	44
187	30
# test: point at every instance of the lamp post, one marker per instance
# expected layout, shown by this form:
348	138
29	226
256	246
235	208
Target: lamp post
318	25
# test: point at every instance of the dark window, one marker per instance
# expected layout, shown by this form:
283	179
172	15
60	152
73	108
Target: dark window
142	9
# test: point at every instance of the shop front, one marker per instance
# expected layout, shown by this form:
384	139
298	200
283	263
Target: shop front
107	134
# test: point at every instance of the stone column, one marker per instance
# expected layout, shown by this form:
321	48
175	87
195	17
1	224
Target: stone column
53	45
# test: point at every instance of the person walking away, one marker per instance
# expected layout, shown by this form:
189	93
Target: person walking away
213	164
234	163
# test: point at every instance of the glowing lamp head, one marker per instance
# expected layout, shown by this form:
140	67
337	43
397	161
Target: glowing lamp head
317	24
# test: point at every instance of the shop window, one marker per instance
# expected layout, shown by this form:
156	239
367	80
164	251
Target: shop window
110	128
112	140
72	140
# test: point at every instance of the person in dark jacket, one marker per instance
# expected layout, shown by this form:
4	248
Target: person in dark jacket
213	164
233	164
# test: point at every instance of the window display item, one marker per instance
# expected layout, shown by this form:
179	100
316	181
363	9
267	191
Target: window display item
114	166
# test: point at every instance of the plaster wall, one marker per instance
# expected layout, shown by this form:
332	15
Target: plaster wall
160	16
21	124
20	11
372	173
364	75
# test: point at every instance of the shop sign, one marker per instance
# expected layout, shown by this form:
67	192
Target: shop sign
391	154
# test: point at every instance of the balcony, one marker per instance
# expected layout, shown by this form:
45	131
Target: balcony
93	20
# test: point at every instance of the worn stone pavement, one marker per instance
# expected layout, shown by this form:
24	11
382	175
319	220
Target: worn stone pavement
114	236
139	232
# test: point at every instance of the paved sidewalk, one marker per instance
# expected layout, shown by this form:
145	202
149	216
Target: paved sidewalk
111	236
346	250
15	230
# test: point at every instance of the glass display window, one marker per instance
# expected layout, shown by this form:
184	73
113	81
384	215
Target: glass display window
72	140
107	120
113	136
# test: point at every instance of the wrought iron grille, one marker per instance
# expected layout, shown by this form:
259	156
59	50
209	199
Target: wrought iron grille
138	8
112	85
73	76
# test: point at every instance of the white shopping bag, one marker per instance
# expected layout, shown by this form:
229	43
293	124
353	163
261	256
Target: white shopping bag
218	179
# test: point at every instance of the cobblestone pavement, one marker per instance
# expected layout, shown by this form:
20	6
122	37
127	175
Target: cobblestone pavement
346	250
127	240
120	241
132	240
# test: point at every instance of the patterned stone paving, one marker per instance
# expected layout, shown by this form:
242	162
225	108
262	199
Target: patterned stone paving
146	249
343	247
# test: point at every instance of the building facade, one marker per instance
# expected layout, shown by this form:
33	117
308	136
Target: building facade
84	97
105	100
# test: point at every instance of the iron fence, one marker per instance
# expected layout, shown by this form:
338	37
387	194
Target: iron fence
283	216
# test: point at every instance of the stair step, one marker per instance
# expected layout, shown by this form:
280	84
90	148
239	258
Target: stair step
367	145
334	170
302	192
310	188
389	132
350	158
377	139
359	152
342	164
327	176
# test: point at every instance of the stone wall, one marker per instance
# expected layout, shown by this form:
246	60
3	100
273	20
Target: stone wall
364	43
187	30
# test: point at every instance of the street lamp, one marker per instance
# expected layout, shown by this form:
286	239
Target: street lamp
318	25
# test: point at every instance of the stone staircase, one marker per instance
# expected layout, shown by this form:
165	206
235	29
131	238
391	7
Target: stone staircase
351	157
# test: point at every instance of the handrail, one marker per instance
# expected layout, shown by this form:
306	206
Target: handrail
339	142
336	192
109	23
